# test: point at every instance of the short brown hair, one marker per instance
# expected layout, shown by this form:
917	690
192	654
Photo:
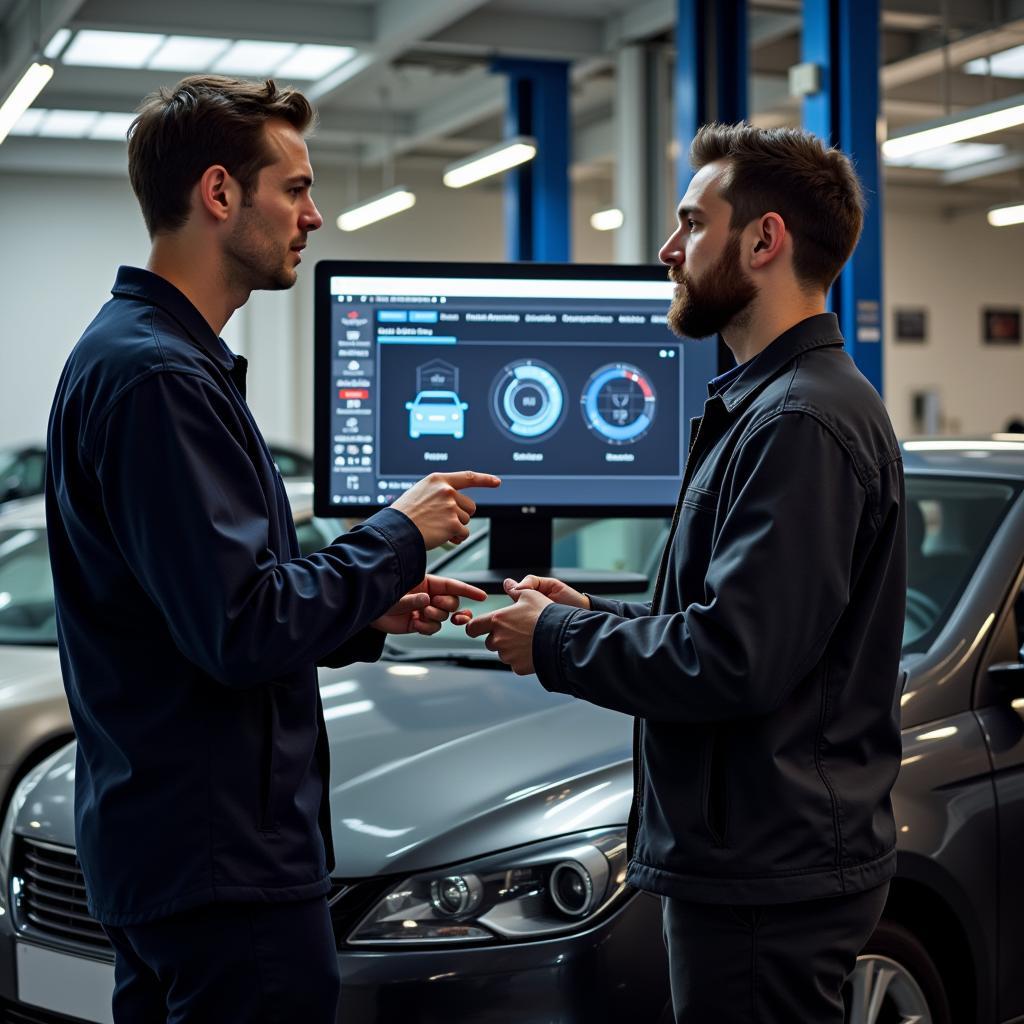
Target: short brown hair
203	120
791	172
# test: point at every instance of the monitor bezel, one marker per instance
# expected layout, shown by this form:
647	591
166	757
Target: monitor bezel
487	508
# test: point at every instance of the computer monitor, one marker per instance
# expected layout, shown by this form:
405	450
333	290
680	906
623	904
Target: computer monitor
563	379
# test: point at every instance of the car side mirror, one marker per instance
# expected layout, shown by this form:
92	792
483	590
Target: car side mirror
1008	679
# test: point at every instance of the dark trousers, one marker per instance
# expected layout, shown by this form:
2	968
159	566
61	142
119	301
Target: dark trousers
785	964
243	963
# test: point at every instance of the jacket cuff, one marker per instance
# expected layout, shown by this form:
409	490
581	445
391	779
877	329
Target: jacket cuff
366	645
406	541
548	637
605	604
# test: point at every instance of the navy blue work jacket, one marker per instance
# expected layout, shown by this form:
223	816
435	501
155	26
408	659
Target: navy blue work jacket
764	676
189	624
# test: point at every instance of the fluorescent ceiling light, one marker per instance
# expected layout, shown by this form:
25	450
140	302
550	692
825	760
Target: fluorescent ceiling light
68	124
312	61
993	117
506	154
607	220
23	96
395	200
1004	216
111	49
253	57
57	43
112	127
1007	64
187	53
947	158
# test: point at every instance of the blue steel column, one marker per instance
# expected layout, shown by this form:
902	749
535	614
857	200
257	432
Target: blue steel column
711	78
537	193
842	37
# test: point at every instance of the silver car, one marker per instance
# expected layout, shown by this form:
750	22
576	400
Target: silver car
480	821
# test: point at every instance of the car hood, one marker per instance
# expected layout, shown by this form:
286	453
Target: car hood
434	763
28	675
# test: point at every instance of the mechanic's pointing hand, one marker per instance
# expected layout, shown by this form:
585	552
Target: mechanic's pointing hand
439	509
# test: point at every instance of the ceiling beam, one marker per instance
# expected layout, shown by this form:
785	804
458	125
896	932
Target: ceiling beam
399	26
27	28
509	34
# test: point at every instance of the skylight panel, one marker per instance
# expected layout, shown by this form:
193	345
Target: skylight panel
254	57
1007	64
312	61
187	53
112	49
112	126
29	122
67	124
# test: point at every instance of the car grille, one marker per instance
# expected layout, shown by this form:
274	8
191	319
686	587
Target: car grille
49	895
50	901
22	1013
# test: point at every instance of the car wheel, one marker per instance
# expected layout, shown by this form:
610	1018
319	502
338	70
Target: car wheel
896	981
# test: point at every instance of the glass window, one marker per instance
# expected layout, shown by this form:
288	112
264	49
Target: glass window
599	545
949	525
26	588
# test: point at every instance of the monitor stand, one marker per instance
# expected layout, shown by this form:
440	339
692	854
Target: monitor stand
523	544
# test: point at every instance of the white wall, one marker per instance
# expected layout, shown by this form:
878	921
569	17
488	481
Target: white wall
64	237
952	267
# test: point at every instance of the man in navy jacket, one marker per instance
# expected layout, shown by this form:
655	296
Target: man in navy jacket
763	675
190	625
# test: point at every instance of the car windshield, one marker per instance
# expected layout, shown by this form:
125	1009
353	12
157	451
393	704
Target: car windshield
596	545
949	524
26	587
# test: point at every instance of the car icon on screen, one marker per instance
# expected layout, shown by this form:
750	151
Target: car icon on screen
436	412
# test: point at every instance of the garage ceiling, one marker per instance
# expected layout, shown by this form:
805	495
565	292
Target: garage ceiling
418	89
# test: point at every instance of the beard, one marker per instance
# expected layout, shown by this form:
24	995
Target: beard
255	260
721	297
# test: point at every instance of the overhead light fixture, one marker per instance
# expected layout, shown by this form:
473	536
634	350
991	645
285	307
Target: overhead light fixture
387	204
992	117
1004	216
1005	64
503	156
311	62
948	158
607	220
67	124
74	124
23	96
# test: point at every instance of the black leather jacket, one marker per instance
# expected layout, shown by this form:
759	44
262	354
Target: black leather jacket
764	675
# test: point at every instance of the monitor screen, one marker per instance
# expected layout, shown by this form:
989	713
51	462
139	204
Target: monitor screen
563	379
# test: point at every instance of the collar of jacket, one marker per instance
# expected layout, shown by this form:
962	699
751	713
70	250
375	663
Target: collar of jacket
818	331
136	283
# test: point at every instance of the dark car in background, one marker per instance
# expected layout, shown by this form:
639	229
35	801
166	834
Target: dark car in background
22	471
480	821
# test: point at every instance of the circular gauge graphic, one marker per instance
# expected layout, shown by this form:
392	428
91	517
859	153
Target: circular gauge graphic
618	403
528	400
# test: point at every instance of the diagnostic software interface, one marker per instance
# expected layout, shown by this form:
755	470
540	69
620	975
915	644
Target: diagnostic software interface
571	390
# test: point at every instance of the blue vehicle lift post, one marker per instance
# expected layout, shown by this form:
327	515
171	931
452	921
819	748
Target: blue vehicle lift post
537	193
841	38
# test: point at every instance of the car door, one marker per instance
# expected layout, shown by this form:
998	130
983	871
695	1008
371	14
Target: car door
1000	709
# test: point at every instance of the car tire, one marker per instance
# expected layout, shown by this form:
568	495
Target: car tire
897	969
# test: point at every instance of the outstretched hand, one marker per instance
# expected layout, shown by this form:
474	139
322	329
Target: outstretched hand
510	630
427	605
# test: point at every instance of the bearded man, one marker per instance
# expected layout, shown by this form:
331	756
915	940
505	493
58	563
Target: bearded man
763	676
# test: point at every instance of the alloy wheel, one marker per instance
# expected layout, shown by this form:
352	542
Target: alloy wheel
885	992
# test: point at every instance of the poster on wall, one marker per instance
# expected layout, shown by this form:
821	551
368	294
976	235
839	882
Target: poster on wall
910	325
1000	326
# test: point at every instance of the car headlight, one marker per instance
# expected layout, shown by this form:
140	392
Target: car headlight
522	894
